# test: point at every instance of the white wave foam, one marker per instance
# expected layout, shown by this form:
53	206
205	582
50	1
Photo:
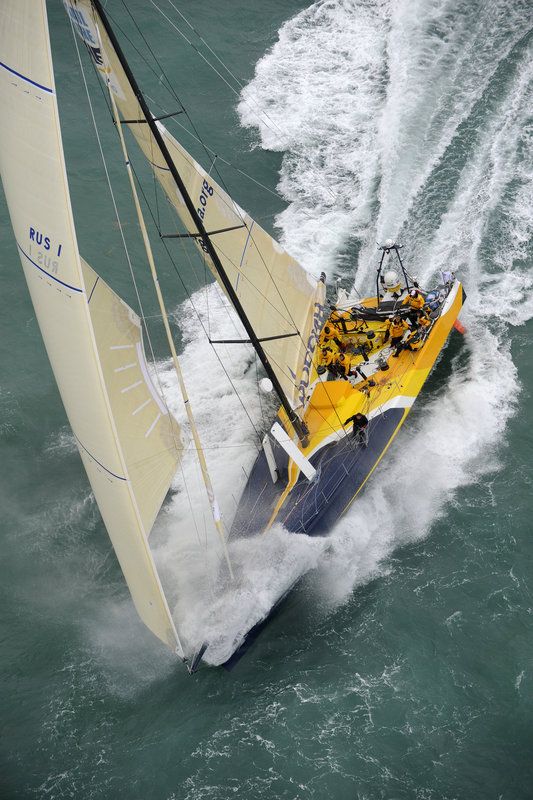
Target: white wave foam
320	97
369	100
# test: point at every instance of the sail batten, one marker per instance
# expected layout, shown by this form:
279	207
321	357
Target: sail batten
81	318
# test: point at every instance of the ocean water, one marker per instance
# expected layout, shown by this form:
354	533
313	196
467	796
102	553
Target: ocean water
402	665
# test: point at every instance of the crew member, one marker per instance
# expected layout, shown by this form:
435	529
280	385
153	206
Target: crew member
326	359
418	336
397	328
360	424
342	365
415	301
329	335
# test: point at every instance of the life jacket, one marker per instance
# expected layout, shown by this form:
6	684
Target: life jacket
326	338
415	302
415	341
327	356
397	328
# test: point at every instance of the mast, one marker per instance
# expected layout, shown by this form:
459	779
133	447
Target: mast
298	425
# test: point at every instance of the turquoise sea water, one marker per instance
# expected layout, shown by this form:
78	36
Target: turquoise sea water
402	666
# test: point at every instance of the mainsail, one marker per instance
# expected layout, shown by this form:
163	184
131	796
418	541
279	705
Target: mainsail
128	440
283	302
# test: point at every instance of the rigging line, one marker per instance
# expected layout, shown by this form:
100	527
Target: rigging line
174	93
111	192
230	73
189	448
168	86
212	154
245	277
324	419
216	72
239	94
293	416
154	177
206	268
242	216
173	25
269	273
236	168
234	207
259	393
196	135
194	307
191	507
239	213
106	99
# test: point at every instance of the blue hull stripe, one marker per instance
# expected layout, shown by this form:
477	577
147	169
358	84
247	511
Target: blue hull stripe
74	289
24	78
120	478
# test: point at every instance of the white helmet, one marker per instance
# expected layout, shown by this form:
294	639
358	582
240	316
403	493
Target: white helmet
391	279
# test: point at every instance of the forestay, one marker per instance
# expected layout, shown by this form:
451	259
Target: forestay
278	296
128	441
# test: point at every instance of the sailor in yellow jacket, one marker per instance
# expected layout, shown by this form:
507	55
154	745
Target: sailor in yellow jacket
418	336
416	302
326	358
343	365
397	328
328	336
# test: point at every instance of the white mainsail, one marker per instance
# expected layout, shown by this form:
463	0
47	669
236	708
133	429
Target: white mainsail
282	301
128	440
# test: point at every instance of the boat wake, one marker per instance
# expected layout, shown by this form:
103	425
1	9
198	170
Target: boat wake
409	121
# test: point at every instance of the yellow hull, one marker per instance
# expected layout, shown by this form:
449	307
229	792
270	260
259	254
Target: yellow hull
385	399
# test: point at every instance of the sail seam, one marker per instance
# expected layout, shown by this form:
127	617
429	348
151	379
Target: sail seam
120	478
48	275
25	78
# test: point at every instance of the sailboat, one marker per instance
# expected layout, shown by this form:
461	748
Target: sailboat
311	464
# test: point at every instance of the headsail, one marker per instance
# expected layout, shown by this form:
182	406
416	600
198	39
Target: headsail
128	441
282	301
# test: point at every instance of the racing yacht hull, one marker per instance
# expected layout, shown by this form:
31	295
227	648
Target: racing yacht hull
343	463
